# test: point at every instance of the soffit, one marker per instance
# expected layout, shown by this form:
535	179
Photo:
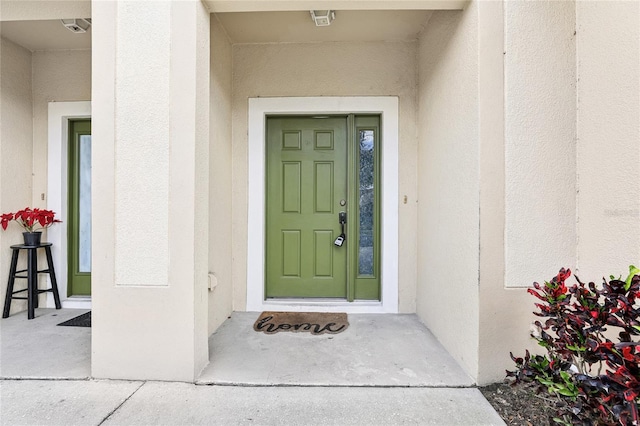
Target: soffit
26	10
298	27
24	23
44	35
291	5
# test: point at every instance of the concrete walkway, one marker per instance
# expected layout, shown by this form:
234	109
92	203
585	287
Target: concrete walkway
95	402
384	370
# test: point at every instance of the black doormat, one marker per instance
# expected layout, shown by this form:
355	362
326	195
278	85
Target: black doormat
83	320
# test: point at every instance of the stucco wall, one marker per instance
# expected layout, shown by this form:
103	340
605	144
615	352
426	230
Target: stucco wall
16	148
327	69
123	343
608	138
220	235
60	75
447	293
540	137
527	120
496	173
547	175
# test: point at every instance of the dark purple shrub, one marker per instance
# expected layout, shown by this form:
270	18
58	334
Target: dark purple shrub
593	381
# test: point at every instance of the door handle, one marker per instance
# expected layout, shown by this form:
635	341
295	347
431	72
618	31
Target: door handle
342	219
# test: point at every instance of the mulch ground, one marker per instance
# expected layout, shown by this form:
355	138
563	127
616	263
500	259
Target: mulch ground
519	405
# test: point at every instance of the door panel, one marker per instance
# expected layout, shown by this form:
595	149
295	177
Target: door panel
306	179
79	217
291	253
323	253
291	186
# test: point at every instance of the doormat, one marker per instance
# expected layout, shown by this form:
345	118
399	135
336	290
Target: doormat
311	322
83	320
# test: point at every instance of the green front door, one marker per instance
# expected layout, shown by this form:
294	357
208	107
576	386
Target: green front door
79	217
314	173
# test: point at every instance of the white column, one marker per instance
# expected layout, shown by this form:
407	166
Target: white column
150	202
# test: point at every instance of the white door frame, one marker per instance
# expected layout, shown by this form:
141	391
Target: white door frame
57	193
259	108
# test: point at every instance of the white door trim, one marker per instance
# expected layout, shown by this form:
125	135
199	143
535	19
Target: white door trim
259	108
57	181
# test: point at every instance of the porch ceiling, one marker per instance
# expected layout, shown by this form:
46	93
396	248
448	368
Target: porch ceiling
35	24
349	25
249	27
291	5
44	35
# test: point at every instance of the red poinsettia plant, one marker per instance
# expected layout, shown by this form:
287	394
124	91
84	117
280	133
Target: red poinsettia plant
31	220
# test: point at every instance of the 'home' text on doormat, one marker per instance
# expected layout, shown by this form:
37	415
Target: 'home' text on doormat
311	322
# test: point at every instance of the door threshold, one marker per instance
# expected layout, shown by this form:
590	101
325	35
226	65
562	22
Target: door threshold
77	302
324	305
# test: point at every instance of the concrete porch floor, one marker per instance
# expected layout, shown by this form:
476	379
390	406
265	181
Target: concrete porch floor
39	349
385	369
375	350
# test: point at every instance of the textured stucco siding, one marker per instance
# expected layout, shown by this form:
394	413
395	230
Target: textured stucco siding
220	183
161	291
608	138
59	75
527	156
447	293
16	150
540	140
328	69
519	146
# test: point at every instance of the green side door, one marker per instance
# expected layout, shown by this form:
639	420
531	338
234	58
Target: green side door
79	217
306	185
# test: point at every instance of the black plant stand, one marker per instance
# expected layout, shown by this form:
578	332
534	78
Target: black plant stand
31	277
